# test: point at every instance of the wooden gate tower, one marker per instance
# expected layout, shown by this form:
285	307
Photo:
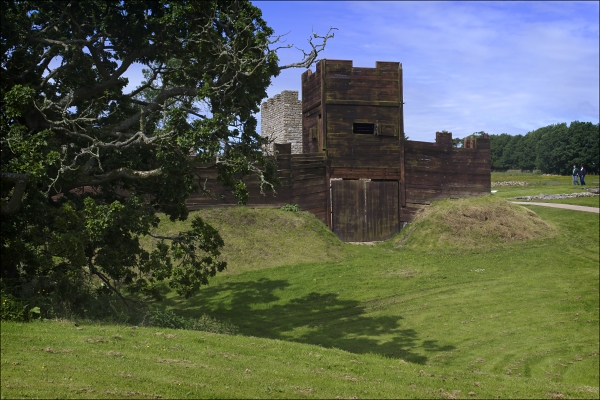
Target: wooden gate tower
355	116
357	172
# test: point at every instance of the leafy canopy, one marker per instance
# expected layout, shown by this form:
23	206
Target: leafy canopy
552	149
87	164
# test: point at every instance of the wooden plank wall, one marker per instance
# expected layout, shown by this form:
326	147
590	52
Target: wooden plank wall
362	95
352	95
312	139
302	179
334	97
346	84
435	171
309	187
217	195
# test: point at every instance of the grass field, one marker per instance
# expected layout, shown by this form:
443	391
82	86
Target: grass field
540	184
581	201
273	233
502	318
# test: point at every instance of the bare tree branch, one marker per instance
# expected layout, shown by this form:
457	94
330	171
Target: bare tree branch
119	173
310	57
155	105
155	73
253	169
106	281
114	79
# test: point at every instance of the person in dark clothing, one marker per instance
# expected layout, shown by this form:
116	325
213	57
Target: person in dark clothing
575	175
582	173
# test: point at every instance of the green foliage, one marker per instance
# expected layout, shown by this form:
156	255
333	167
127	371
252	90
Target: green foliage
291	207
552	149
16	100
12	309
34	313
458	142
197	252
168	319
100	162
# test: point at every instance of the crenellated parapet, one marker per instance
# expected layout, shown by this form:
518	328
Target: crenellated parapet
342	155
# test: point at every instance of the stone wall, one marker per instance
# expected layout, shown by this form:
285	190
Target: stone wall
281	119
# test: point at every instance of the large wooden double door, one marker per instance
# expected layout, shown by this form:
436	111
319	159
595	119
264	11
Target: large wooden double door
364	210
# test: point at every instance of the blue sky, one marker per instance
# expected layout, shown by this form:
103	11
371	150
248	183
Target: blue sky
498	67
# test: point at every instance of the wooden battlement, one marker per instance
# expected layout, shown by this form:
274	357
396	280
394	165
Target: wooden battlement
357	172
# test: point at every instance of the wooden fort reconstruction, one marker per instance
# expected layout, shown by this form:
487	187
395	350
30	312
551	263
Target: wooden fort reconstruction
356	172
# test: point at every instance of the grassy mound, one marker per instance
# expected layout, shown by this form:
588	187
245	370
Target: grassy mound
257	238
472	223
380	322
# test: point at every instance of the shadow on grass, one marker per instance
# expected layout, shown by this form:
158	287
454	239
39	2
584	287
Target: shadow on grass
318	318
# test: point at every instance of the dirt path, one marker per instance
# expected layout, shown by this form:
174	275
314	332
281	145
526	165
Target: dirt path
557	205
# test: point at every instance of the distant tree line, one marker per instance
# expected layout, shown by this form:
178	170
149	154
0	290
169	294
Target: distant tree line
552	149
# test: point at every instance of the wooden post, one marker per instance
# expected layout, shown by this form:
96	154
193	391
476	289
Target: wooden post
323	126
402	186
323	104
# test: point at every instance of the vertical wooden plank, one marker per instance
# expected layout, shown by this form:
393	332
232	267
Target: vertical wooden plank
320	133
399	200
323	64
322	121
382	210
348	205
393	204
328	199
402	187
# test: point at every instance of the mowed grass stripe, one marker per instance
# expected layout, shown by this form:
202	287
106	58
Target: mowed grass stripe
332	304
116	361
515	319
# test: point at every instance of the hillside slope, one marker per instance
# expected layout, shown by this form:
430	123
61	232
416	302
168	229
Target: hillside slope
524	308
475	316
471	223
58	360
257	238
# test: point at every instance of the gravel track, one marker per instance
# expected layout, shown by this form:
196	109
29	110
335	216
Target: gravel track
564	206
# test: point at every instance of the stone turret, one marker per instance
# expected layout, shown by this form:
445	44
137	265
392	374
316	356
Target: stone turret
281	119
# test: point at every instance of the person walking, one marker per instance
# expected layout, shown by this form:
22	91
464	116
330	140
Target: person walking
575	174
582	173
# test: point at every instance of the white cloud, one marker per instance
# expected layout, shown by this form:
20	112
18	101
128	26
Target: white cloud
468	66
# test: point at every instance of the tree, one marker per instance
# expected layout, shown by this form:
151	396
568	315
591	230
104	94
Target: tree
86	166
498	144
583	141
552	149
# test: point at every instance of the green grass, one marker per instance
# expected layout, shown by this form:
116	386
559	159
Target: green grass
57	360
540	184
580	201
459	225
258	238
512	319
534	190
540	179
